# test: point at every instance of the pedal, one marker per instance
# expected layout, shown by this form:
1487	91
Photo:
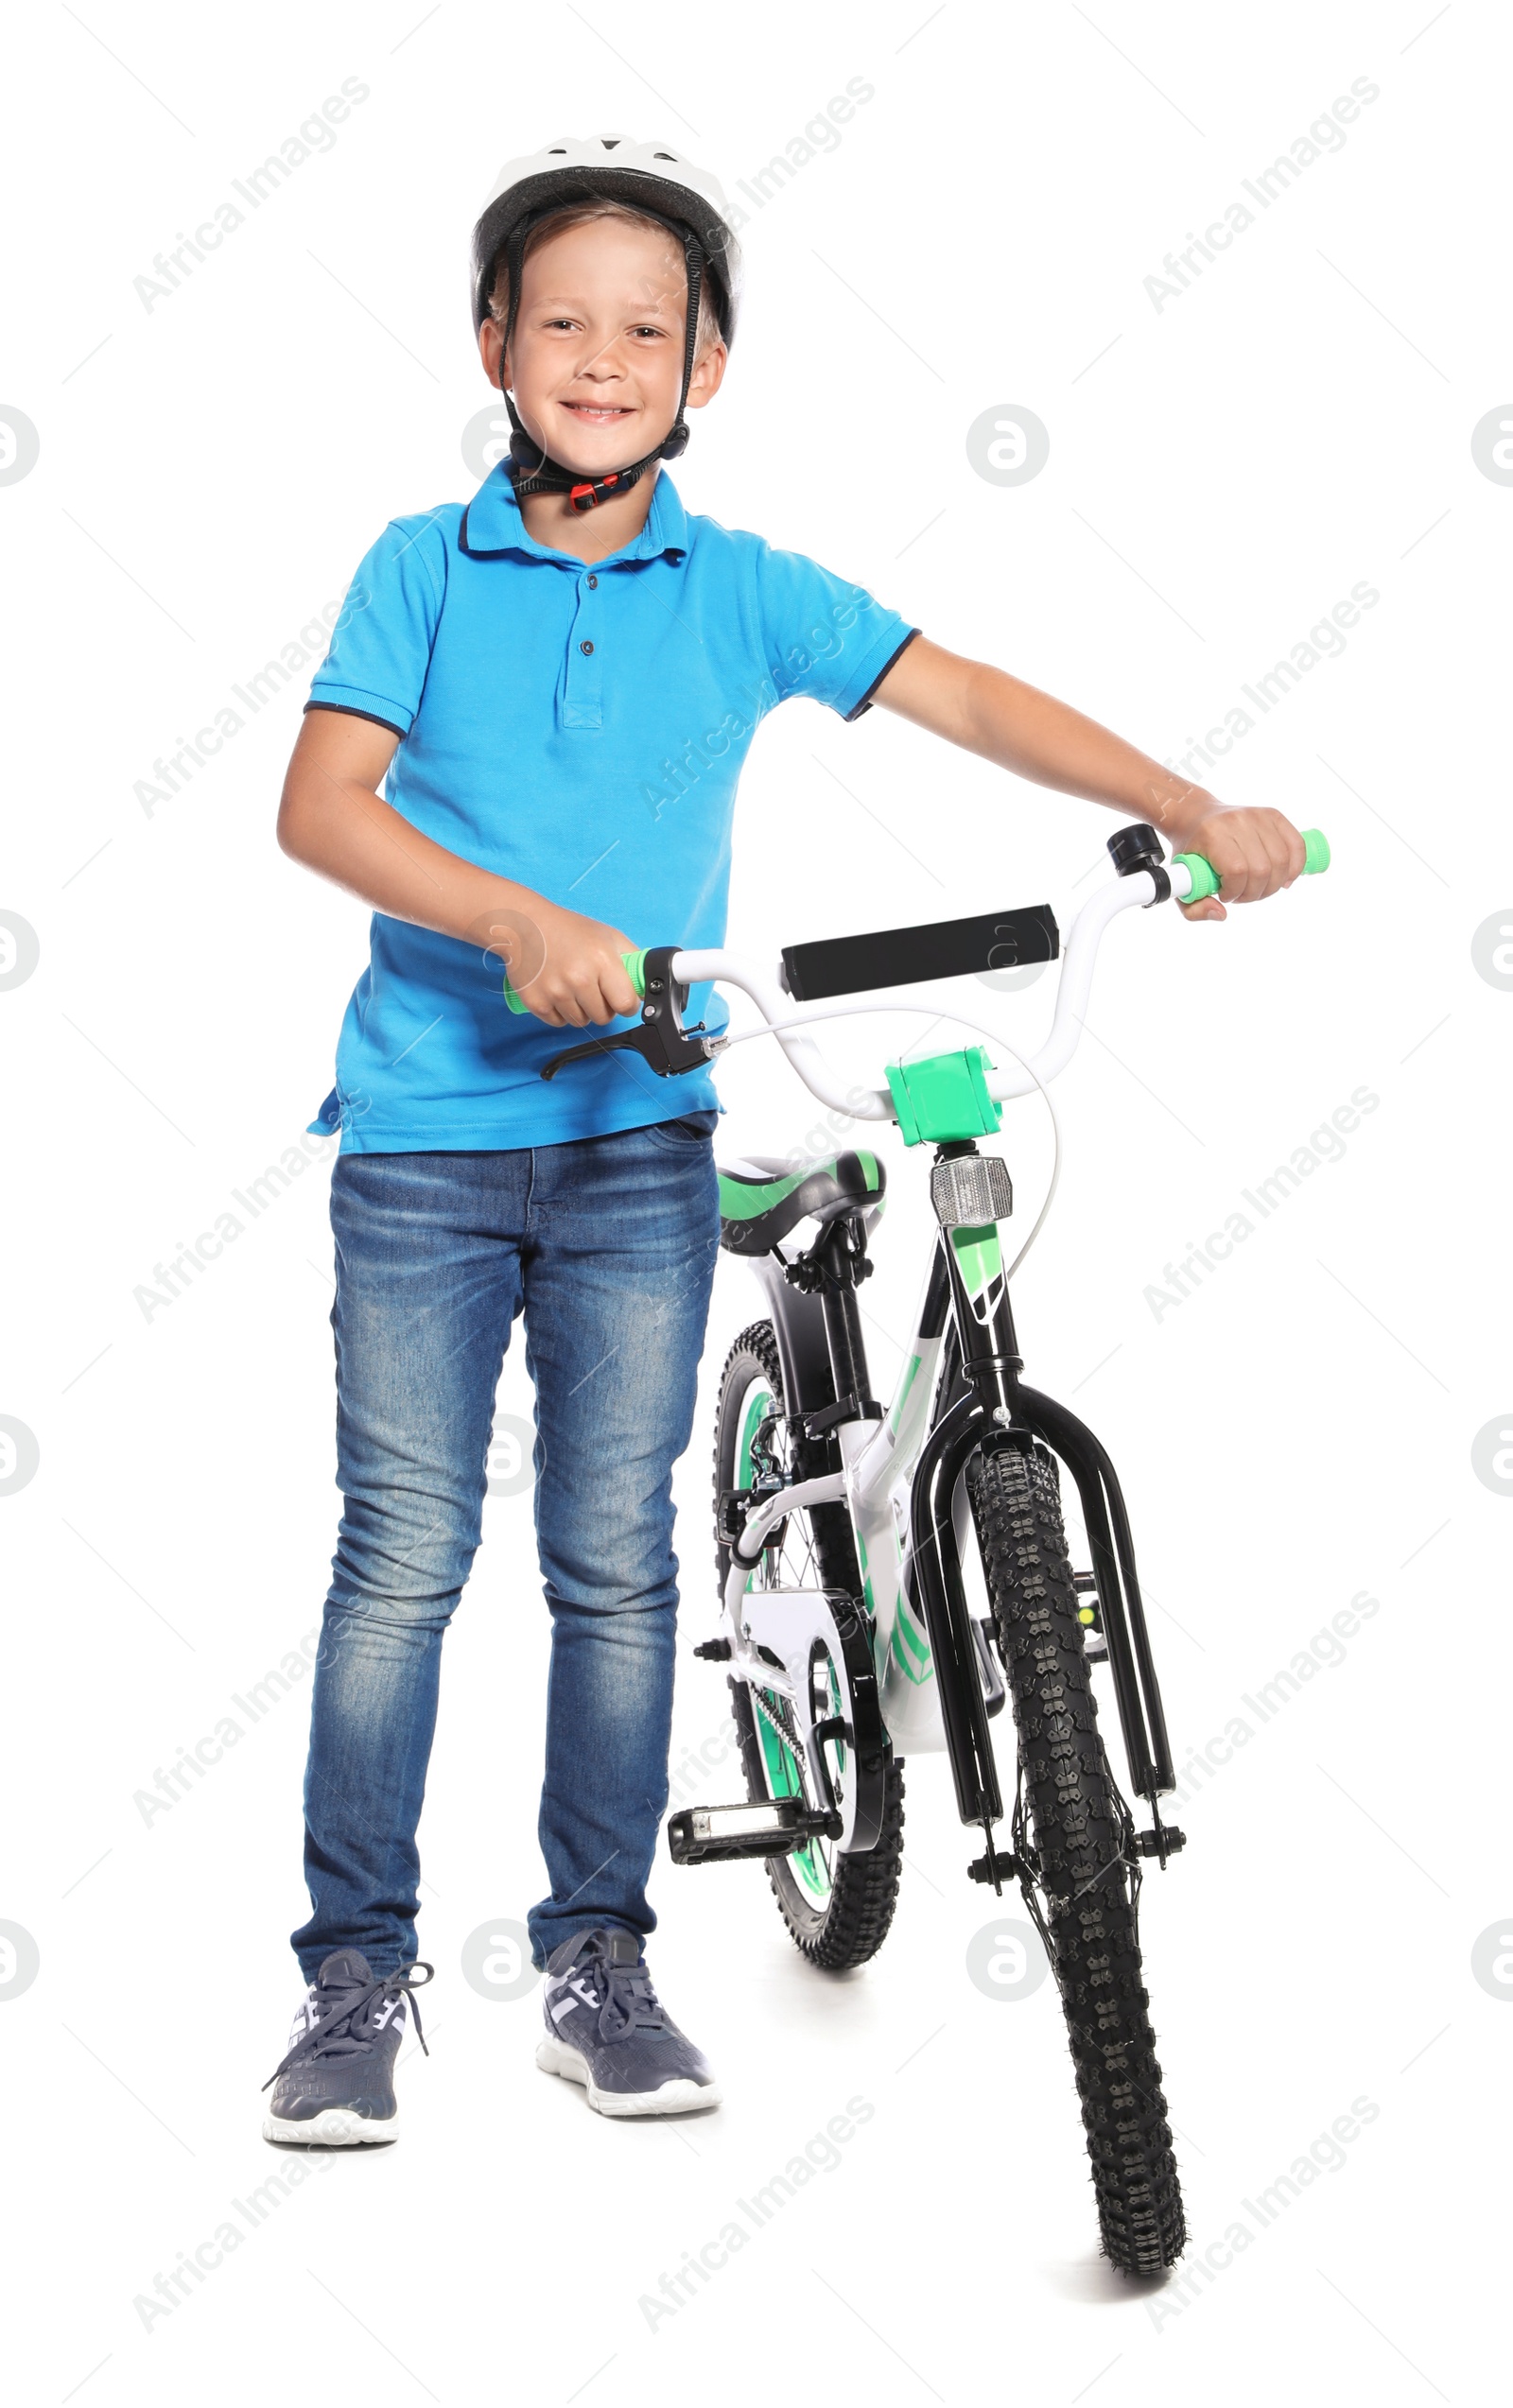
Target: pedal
714	1651
721	1834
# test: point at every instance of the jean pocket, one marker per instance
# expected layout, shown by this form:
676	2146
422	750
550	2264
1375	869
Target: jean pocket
692	1128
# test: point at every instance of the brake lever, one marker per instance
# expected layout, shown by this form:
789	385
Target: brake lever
660	1037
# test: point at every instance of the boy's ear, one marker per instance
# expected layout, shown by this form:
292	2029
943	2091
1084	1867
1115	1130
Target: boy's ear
491	351
708	375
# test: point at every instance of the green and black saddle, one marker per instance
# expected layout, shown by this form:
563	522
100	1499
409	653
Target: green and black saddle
761	1201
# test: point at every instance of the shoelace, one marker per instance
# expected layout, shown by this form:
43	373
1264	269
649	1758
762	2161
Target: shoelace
347	2028
630	2003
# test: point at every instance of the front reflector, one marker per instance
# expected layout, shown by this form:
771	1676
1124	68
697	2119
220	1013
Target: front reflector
971	1189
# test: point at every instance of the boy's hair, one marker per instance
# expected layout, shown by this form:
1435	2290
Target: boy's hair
579	213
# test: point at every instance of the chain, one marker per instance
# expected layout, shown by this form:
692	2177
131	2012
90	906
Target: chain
780	1715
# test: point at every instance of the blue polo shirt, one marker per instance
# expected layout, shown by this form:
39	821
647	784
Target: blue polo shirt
579	728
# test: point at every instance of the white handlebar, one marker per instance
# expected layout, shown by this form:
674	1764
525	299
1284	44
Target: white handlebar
862	1103
876	1103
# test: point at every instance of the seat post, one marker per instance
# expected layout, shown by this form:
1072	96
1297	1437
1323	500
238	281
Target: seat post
843	1320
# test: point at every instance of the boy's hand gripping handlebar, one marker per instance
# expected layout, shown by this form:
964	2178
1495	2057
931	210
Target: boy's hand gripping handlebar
1204	877
659	1037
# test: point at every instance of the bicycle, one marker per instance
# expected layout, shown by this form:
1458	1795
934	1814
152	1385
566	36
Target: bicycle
848	1635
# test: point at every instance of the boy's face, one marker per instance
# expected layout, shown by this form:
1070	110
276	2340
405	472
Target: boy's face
595	360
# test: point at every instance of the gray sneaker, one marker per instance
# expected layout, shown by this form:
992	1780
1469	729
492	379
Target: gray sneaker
607	2029
336	2087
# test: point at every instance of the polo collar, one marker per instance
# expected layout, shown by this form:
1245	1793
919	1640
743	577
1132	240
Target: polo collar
493	523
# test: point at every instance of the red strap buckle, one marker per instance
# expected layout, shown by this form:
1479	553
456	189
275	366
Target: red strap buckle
588	496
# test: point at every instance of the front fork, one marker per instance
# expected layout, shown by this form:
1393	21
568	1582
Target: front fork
997	1409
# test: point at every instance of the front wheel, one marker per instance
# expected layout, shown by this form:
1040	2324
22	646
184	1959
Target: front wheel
837	1907
1081	1862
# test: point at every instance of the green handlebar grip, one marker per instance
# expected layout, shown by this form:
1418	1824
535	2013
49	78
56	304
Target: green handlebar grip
1315	857
636	968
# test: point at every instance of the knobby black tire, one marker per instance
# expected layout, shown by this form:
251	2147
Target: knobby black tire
853	1923
1078	1828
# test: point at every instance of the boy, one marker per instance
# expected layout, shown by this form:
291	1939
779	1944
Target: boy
560	682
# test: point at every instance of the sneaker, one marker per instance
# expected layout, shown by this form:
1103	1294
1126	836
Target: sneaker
336	2087
607	2029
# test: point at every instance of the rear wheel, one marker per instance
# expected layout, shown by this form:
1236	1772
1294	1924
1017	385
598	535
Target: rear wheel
837	1907
1080	1833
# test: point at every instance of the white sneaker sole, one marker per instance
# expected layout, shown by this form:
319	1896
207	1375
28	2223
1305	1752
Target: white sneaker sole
333	2128
674	2098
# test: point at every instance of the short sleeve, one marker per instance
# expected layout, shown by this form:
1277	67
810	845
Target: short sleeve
381	644
823	638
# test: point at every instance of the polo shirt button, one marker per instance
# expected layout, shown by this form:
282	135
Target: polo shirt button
586	646
592	583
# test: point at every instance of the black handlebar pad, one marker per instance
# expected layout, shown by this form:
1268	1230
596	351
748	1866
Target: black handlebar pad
940	949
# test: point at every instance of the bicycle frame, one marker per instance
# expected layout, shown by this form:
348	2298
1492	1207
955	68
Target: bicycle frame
902	1475
902	1478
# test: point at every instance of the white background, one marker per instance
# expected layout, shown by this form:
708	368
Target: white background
1300	1429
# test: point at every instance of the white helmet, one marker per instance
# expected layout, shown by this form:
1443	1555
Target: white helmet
648	176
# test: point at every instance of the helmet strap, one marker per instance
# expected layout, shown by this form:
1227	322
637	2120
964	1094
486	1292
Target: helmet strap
530	469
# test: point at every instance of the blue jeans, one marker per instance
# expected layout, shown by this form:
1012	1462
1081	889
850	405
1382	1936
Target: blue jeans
607	1245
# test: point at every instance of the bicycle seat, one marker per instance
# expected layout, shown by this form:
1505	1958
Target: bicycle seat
762	1200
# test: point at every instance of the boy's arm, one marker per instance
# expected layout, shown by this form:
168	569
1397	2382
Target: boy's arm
567	968
986	711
